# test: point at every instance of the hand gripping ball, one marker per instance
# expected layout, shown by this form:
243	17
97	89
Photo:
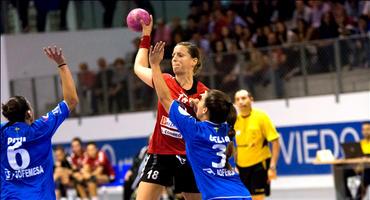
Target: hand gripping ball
134	17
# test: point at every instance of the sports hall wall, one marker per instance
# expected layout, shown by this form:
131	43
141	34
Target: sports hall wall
305	124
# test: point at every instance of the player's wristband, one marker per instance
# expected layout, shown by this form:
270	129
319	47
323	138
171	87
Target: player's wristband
61	65
145	42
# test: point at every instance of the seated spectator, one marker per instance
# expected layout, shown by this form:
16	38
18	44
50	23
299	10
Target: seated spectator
62	172
97	169
77	158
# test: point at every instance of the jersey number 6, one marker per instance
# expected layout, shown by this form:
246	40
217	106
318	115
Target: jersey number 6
12	153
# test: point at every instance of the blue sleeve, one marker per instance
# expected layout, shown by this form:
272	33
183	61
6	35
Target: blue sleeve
185	123
48	124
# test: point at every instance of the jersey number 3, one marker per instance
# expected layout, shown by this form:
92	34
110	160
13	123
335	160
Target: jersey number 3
12	153
221	153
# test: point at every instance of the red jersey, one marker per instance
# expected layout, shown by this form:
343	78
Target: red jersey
77	161
100	160
166	138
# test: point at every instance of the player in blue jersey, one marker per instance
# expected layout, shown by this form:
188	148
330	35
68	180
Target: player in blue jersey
26	152
207	141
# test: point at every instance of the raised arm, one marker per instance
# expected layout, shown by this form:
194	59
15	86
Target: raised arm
161	88
68	85
141	66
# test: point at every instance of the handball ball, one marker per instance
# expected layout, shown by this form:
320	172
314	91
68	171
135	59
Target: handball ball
134	17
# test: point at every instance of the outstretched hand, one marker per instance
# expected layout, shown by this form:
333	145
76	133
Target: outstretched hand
156	53
147	29
55	54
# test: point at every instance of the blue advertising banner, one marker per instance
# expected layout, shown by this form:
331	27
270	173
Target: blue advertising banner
299	145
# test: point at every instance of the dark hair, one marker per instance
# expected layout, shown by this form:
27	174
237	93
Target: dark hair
59	148
194	53
221	109
77	139
91	143
15	109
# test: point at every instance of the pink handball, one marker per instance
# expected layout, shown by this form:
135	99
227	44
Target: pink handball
134	17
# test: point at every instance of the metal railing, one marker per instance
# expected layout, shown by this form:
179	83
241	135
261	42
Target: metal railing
304	69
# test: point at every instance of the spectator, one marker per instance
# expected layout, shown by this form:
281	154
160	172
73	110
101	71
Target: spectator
362	44
255	16
218	21
256	69
318	8
97	169
103	82
176	27
62	172
328	29
277	60
283	34
86	82
77	157
201	42
302	11
162	32
118	91
234	19
224	64
191	28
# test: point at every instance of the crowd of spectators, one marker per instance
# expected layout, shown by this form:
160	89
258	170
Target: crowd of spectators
104	91
267	32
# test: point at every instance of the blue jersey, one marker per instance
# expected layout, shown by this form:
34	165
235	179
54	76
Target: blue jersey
206	145
27	159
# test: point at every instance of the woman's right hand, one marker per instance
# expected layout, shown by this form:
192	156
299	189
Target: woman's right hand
147	29
55	54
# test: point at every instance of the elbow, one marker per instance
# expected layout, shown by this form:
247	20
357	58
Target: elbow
72	103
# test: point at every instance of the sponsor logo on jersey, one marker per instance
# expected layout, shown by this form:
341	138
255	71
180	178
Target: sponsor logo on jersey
171	133
165	121
23	173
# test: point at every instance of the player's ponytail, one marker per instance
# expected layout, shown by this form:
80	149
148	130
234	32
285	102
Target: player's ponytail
231	119
15	109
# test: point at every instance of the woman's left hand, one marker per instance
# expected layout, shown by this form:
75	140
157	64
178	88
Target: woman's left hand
156	53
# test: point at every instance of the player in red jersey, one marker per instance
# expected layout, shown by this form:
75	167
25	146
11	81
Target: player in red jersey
77	157
96	170
167	163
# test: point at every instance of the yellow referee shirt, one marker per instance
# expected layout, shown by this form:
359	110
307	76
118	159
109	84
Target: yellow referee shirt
365	146
252	136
